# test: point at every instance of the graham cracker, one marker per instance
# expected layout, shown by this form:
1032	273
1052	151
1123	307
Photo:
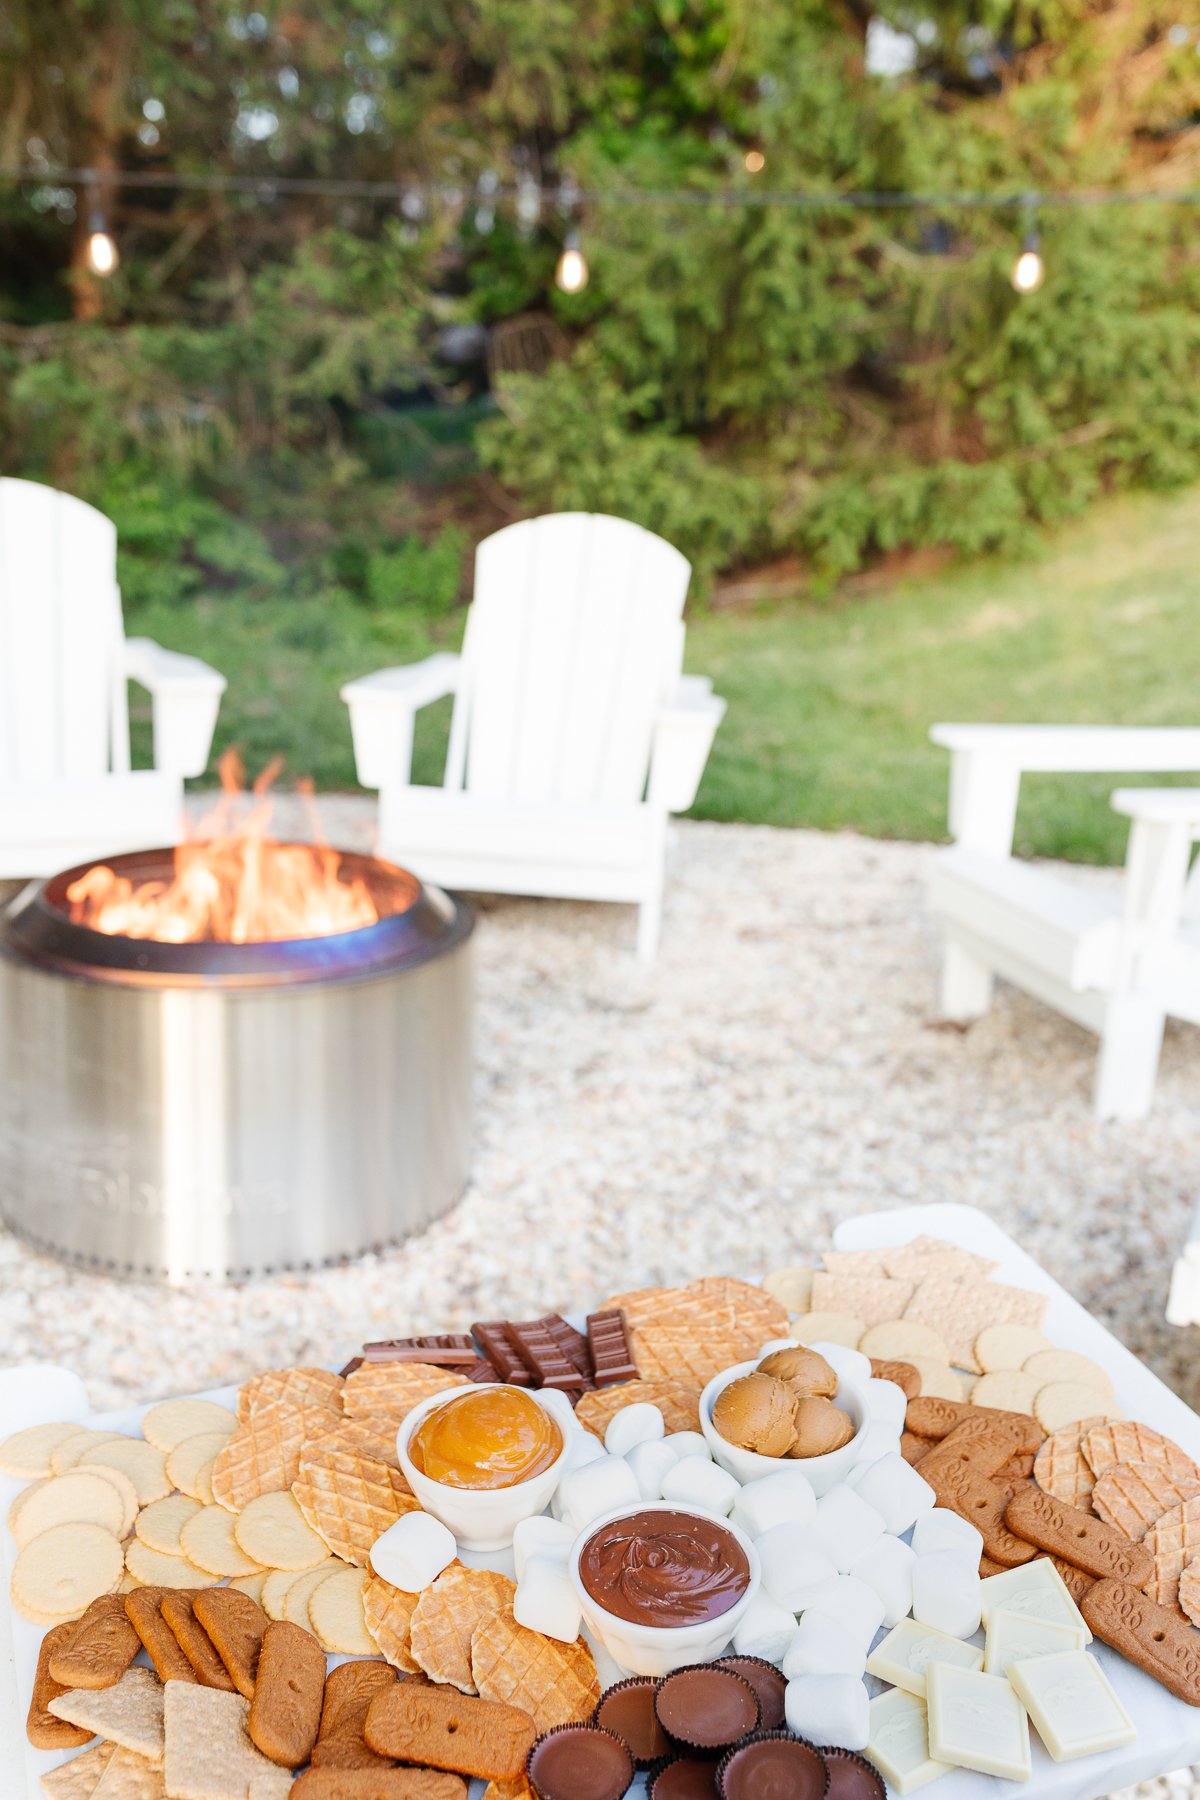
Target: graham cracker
76	1780
875	1299
555	1683
208	1752
448	1614
130	1777
959	1310
130	1713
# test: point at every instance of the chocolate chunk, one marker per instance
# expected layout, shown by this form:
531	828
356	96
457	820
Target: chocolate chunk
501	1352
608	1343
445	1350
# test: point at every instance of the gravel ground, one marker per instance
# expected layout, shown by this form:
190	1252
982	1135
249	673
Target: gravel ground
780	1069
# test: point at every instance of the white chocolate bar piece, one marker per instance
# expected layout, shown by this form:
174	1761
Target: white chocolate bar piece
1071	1701
899	1742
1036	1590
908	1649
1014	1637
976	1721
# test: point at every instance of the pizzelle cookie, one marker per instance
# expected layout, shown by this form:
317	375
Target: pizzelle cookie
678	1404
1132	1497
446	1617
1173	1541
1127	1440
388	1613
554	1683
290	1387
1061	1467
263	1456
391	1390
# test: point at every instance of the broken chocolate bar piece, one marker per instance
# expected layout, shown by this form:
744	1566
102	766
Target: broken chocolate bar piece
444	1350
553	1351
608	1342
501	1352
356	1362
482	1370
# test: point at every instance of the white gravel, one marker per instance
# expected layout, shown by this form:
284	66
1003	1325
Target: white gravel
781	1068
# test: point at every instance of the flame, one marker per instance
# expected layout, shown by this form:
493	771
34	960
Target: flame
232	883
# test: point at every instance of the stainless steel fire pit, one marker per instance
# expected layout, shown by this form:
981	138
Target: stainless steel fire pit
212	1111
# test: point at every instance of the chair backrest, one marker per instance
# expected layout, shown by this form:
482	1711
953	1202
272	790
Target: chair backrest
574	639
63	711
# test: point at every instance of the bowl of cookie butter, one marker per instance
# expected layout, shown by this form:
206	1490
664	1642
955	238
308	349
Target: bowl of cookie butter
662	1586
481	1458
790	1409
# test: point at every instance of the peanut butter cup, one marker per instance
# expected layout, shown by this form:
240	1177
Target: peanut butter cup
579	1762
852	1777
706	1707
768	1683
774	1763
628	1710
683	1778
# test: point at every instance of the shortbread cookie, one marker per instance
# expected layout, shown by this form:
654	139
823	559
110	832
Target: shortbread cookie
960	1310
1061	1403
1007	1390
1069	1365
130	1714
285	1713
938	1380
296	1599
43	1729
272	1532
156	1570
124	1487
100	1648
208	1540
144	1612
178	1611
828	1328
792	1287
1008	1346
145	1466
274	1591
235	1623
159	1525
336	1612
26	1454
251	1584
190	1465
904	1339
66	1455
174	1421
77	1498
61	1572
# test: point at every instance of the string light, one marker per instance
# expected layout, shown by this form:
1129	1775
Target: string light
754	162
1028	270
572	271
103	256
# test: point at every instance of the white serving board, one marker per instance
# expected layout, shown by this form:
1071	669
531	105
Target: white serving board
1168	1731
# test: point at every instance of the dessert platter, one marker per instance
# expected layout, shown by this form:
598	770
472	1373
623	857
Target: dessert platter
908	1518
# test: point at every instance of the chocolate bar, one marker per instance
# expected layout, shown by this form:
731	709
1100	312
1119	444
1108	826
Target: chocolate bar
553	1351
501	1352
446	1349
356	1362
608	1343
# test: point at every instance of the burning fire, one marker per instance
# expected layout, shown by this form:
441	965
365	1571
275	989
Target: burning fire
232	883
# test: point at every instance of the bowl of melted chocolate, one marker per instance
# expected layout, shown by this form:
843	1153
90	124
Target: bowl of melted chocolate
662	1586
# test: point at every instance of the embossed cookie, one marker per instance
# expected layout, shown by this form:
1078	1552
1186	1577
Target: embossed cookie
100	1648
235	1623
349	1691
1157	1640
178	1610
43	1730
382	1784
447	1730
143	1608
289	1689
1078	1537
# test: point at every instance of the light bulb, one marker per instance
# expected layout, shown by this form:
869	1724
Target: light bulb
1028	271
102	253
754	162
572	271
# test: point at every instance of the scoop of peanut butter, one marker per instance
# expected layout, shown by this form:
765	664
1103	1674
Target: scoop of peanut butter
757	1412
805	1372
820	1427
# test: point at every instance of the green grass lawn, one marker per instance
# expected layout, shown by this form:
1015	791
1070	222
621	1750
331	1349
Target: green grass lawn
829	703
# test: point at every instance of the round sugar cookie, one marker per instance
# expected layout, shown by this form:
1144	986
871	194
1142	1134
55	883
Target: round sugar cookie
792	1287
67	1454
26	1454
208	1541
903	1340
335	1611
144	1465
190	1464
273	1532
160	1524
252	1585
22	1495
274	1591
1007	1390
173	1421
1061	1403
1068	1365
123	1486
76	1498
938	1380
297	1597
62	1570
827	1328
1008	1346
152	1569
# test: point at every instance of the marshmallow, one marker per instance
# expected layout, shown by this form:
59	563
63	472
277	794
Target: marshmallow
782	1499
413	1552
942	1529
844	1361
845	1526
829	1709
897	1491
823	1646
541	1536
556	1402
582	1449
886	1400
640	1424
853	1603
688	1443
545	1601
694	1482
887	1567
765	1629
793	1567
877	1438
650	1462
946	1592
600	1487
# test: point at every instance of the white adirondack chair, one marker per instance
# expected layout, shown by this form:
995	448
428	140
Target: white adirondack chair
574	733
1118	963
67	792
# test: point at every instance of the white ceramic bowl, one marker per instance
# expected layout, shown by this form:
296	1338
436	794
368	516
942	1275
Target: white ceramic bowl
481	1519
660	1649
823	1471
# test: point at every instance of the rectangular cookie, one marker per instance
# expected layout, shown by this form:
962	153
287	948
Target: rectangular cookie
875	1299
349	1691
43	1730
179	1611
930	1416
1154	1637
384	1784
447	1730
959	1310
285	1713
1077	1537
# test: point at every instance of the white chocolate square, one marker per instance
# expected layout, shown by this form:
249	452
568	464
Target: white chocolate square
908	1649
977	1722
1072	1703
899	1742
1014	1637
1036	1590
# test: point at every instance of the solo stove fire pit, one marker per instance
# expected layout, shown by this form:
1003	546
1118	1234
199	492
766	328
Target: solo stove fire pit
203	1109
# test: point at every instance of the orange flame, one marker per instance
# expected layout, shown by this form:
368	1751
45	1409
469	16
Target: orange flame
232	884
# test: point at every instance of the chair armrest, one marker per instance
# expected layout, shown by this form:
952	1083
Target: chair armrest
1066	749
683	733
186	695
383	707
1161	806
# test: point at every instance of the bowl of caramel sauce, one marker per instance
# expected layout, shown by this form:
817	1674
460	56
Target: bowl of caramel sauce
481	1458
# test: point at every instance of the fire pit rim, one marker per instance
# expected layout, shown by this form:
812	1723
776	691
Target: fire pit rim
36	927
